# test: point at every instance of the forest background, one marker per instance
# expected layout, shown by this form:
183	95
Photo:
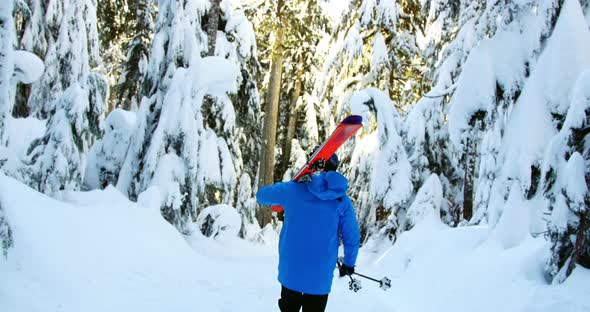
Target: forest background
478	110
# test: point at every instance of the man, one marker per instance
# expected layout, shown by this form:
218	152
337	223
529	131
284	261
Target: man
317	213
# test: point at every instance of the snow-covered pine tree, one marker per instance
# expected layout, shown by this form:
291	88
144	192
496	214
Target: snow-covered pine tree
21	15
138	50
16	66
37	36
380	173
487	83
6	64
71	57
7	37
440	18
6	241
116	20
238	44
71	96
425	130
429	151
543	102
106	156
178	42
186	141
374	47
566	177
112	16
246	206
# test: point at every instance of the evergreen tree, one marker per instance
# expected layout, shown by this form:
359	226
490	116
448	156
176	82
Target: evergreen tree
70	63
380	173
37	36
566	177
556	24
7	37
116	19
16	66
178	41
71	97
438	30
22	14
113	17
106	156
478	111
429	151
375	47
12	70
137	47
186	139
241	49
6	240
6	69
246	206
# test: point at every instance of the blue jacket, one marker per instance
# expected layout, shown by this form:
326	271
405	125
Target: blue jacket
316	213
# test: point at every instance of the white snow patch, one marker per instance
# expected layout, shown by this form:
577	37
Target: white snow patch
428	200
22	132
221	221
28	68
513	226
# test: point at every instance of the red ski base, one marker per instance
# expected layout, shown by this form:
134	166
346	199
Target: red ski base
346	129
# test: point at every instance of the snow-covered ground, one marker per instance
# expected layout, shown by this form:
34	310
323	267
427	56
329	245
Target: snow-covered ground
97	251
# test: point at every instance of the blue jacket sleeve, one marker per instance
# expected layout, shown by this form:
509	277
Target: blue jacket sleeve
349	230
272	195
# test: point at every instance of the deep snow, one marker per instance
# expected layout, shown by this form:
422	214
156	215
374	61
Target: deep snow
96	251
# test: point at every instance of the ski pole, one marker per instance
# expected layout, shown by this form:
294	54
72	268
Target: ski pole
384	283
355	285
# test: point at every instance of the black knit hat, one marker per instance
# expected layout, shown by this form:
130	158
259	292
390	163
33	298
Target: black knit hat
332	163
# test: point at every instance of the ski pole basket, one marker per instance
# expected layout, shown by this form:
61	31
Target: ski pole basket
385	283
354	284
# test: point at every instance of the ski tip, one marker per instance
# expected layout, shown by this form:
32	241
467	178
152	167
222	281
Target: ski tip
353	120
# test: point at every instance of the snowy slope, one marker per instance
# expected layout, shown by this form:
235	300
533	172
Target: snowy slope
102	253
437	268
96	251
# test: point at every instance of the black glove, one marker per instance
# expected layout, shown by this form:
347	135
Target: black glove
345	270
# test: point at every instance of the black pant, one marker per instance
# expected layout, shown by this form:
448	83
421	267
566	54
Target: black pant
292	301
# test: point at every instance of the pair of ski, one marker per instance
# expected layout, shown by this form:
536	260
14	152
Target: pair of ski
345	129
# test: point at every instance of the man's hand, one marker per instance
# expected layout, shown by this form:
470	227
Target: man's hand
345	270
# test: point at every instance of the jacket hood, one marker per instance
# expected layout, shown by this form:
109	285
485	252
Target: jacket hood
328	185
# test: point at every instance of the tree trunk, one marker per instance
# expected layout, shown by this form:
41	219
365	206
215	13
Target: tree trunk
212	26
582	248
266	177
296	94
469	177
293	114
